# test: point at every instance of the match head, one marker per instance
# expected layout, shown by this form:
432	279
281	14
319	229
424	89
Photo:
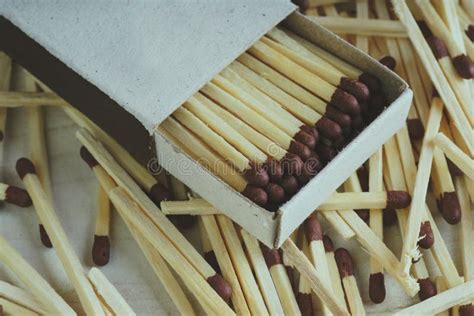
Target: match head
370	81
24	166
415	129
426	235
344	262
377	287
312	229
17	196
305	303
389	62
464	66
328	245
159	193
221	286
290	184
272	256
345	102
357	122
326	153
292	164
311	130
470	32
427	289
329	128
389	217
256	195
88	158
101	250
425	30
450	207
257	175
356	88
377	103
466	310
45	240
300	150
437	46
274	169
276	193
398	199
306	138
344	120
310	169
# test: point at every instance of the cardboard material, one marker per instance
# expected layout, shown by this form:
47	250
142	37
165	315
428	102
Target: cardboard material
188	51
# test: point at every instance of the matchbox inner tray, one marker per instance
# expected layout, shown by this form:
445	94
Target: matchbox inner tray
128	66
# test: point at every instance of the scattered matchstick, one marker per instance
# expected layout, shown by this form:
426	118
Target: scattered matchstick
101	247
208	252
21	297
9	308
303	295
455	154
366	200
333	269
15	99
14	195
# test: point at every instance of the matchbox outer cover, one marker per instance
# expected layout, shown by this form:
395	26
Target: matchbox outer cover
148	56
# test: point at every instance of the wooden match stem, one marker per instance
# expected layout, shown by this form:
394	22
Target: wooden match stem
455	154
102	223
14	99
356	306
339	225
21	297
11	308
467	249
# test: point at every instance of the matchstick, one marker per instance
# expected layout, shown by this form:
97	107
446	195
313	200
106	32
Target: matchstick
5	76
9	308
280	279
333	269
106	290
455	154
208	252
180	193
441	287
32	280
366	200
21	297
349	283
15	99
101	247
303	295
467	250
14	195
339	225
46	213
119	175
262	274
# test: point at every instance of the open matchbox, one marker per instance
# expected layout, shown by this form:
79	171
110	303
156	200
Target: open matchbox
129	66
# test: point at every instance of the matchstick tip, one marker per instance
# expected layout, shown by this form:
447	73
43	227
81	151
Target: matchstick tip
345	102
272	256
464	66
300	150
470	32
312	229
377	287
328	128
306	138
415	129
389	62
290	184
311	130
466	310
221	287
101	250
159	193
438	47
45	240
305	303
310	169
274	169
292	164
357	122
328	245
276	193
427	289
389	217
257	175
88	158
377	104
356	88
370	81
326	153
398	199
343	119
450	207
256	195
17	196
426	235
24	166
344	262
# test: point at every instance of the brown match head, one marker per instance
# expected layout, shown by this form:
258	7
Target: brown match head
290	184
345	102
415	129
427	289
344	120
377	103
305	303
272	256
221	287
398	199
101	250
329	128
370	81
300	150
303	5
388	61
305	138
454	170
256	195
292	164
45	240
357	122
389	217
466	310
312	229
211	258
344	262
276	193
356	88
24	166
310	169
450	207
88	158
470	32
159	193
257	175
328	245
326	153
464	66
425	30
311	130
17	196
377	288
437	46
274	169
426	236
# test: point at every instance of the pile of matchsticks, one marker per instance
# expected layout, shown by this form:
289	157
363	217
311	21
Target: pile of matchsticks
297	117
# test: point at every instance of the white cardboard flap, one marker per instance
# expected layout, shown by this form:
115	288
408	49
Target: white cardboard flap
148	56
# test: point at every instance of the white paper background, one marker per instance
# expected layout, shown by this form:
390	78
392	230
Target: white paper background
75	190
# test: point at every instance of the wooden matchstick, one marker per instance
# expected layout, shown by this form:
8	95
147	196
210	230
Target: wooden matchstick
303	295
106	290
333	269
46	213
21	297
9	308
467	250
15	99
339	225
455	154
31	279
101	247
119	175
5	76
366	200
14	195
